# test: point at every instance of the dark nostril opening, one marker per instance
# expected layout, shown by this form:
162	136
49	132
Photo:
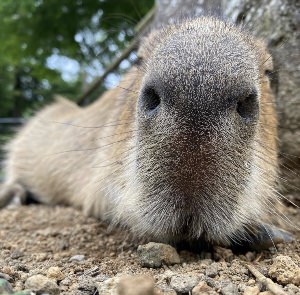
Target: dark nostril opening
149	101
248	108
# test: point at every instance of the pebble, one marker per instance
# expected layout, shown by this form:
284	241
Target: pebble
41	284
184	283
159	290
292	289
66	282
285	270
8	270
206	262
55	273
16	254
86	285
230	289
251	291
250	256
212	270
203	289
156	254
223	254
77	258
108	287
5	287
41	257
251	283
136	285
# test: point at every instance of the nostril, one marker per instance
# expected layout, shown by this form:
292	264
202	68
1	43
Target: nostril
248	108
149	101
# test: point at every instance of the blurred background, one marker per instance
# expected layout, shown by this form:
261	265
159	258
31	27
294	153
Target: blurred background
60	47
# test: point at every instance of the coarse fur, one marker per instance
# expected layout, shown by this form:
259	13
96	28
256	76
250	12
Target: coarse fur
184	148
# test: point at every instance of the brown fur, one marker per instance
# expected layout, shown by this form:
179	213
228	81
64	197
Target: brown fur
180	174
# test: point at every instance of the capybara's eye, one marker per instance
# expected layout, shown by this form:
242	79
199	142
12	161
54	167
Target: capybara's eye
138	61
248	107
269	73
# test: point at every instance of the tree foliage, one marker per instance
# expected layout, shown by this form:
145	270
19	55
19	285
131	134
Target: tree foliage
41	40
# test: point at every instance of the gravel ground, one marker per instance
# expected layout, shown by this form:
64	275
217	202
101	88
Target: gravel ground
57	250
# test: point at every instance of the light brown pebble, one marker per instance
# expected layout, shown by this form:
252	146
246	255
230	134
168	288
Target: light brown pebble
203	289
108	286
163	291
285	270
8	270
19	286
136	285
41	257
251	283
266	293
55	273
40	284
251	290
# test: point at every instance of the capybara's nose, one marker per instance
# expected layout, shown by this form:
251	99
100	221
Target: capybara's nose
244	103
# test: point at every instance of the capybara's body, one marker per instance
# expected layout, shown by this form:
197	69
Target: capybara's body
184	148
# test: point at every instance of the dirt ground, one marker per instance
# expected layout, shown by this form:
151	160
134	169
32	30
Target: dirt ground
87	255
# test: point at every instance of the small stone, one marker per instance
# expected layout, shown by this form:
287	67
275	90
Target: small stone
250	256
206	262
251	290
230	289
65	282
41	256
251	283
223	254
266	293
108	287
203	289
285	270
62	245
16	254
55	273
242	287
292	289
184	283
41	284
136	285
101	278
5	287
86	285
78	258
159	290
212	270
8	270
156	254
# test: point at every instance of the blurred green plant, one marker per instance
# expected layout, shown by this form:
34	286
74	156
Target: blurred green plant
59	46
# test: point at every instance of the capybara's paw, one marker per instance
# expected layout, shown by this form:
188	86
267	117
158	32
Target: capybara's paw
13	193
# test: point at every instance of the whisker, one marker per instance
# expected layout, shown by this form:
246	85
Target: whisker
90	149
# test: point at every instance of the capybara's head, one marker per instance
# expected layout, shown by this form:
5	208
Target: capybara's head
204	161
